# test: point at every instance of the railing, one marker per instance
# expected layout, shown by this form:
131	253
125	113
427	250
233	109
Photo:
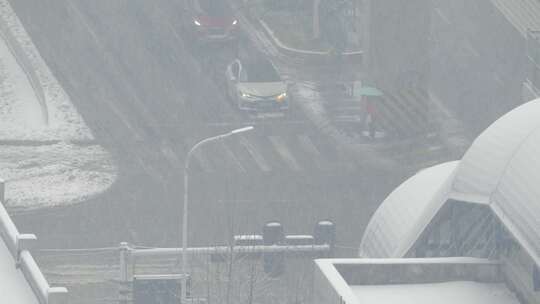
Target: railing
19	246
133	267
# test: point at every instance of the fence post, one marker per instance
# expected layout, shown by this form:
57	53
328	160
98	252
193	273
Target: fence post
126	274
24	242
57	295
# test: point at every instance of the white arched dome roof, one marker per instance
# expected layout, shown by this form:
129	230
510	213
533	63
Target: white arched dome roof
406	212
502	169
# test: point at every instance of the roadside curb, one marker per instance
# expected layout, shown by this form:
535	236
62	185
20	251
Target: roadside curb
364	153
295	52
25	64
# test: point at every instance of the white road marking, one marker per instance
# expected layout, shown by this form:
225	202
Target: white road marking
233	158
171	156
268	115
138	104
348	108
284	152
347	118
498	79
259	159
470	48
111	104
442	15
205	164
255	123
151	171
307	145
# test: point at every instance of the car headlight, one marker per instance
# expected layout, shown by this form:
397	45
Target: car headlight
281	97
197	23
246	95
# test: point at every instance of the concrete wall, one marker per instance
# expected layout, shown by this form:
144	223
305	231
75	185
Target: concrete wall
329	287
374	274
333	277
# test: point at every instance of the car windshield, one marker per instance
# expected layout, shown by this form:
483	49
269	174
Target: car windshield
262	71
213	7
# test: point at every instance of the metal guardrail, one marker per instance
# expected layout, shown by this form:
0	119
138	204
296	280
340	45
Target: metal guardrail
19	246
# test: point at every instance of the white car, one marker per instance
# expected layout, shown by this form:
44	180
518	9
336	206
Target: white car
256	86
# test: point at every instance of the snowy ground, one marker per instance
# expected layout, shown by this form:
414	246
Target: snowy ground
48	156
61	173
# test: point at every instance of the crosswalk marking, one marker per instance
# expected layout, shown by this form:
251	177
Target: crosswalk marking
308	146
348	108
270	153
259	159
234	159
284	152
205	164
442	16
171	156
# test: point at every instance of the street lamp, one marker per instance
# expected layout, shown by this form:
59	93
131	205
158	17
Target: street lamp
185	213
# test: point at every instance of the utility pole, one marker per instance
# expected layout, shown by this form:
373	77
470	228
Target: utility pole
316	23
366	33
186	201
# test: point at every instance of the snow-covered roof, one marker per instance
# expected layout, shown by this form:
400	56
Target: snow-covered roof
365	281
463	292
403	215
298	236
502	169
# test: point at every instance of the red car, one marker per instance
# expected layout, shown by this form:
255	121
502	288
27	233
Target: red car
209	21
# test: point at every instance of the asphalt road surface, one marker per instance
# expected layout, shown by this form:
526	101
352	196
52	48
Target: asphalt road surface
478	61
148	97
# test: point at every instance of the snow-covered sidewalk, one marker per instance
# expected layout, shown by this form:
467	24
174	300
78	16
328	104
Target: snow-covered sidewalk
48	156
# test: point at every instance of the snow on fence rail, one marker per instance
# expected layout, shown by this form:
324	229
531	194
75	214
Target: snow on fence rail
19	246
172	252
216	282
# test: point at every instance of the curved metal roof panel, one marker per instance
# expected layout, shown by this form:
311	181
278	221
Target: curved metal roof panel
502	169
405	213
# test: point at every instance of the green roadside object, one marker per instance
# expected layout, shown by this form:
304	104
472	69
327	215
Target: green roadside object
368	91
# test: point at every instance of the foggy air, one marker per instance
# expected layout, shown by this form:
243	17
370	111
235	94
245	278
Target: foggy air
269	151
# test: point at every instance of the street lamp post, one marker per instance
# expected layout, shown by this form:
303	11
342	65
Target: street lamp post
186	201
